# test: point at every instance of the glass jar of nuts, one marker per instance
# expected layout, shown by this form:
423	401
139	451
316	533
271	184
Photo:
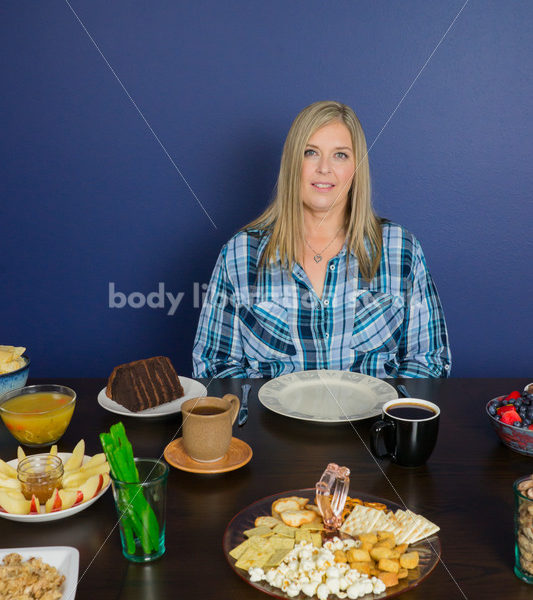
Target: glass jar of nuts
523	516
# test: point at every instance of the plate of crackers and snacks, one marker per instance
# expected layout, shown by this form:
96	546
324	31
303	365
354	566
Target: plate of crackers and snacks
49	572
279	545
39	498
148	388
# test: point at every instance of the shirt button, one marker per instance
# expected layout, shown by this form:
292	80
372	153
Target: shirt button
327	335
331	267
447	367
326	302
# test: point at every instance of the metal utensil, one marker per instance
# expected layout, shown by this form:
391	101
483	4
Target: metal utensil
243	412
403	390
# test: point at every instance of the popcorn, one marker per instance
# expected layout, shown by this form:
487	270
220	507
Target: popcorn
256	574
313	572
309	589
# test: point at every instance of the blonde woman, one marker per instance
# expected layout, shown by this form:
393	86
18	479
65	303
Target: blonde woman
318	281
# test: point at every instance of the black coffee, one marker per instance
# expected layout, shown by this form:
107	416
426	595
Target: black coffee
411	411
207	410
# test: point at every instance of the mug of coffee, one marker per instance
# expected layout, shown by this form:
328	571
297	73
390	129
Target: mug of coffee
207	424
407	432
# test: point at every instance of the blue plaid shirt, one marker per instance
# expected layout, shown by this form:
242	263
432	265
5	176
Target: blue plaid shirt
269	322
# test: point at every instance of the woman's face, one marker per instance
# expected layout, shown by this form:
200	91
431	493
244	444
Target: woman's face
327	169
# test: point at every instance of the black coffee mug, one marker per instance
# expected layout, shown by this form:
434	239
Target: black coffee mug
407	432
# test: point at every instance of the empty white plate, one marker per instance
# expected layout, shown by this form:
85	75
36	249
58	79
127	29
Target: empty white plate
326	396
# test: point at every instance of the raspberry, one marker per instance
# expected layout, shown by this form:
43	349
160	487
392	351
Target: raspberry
514	395
531	427
510	417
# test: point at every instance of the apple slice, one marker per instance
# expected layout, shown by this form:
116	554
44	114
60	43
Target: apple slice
7	470
76	478
106	480
53	450
76	460
91	487
54	502
97	459
70	497
15	503
20	454
35	505
8	482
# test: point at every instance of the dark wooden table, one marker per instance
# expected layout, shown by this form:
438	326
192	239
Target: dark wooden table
466	488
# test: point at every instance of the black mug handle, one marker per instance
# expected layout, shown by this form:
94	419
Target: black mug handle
377	438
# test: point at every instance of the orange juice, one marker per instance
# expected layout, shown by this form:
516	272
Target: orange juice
38	418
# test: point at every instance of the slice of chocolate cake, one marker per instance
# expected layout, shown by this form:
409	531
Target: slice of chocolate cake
144	383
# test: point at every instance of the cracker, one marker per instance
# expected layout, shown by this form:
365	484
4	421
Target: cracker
278	542
262	530
239	550
285	530
253	557
314	526
302	535
276	558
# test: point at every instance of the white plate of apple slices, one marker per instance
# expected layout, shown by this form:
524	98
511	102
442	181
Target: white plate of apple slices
85	479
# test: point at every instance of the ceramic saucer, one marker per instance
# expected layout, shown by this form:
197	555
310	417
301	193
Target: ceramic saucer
238	455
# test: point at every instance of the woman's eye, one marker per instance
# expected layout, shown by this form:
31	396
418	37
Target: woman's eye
341	155
309	152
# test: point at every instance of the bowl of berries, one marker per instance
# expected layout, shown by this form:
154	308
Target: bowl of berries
511	417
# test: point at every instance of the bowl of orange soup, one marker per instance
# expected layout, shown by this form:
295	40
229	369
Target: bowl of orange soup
38	415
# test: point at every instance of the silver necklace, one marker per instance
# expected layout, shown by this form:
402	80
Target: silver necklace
318	255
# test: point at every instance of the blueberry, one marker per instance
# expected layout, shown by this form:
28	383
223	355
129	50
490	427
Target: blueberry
516	424
492	410
518	403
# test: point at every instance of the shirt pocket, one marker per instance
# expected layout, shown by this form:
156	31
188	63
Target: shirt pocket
378	322
266	333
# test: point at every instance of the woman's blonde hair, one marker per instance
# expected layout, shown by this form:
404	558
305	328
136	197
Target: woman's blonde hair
284	216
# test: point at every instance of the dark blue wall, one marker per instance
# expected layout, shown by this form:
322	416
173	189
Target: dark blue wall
89	196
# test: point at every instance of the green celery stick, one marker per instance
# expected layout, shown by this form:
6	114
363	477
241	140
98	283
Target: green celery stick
138	516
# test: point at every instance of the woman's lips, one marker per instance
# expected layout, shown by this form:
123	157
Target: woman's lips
323	187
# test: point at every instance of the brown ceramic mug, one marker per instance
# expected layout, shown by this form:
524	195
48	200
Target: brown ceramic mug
207	424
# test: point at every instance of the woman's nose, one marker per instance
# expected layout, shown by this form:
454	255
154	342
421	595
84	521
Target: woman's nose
323	165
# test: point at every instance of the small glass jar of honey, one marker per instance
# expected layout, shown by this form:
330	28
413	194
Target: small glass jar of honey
39	475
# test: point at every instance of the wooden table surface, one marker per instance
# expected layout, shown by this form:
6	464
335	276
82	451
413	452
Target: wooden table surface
466	488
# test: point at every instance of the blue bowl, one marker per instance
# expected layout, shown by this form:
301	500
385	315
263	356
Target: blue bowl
15	379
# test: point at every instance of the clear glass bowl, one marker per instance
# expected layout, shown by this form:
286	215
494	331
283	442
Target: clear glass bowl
38	415
39	475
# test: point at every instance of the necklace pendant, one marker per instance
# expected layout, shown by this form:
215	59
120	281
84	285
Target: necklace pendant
317	258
